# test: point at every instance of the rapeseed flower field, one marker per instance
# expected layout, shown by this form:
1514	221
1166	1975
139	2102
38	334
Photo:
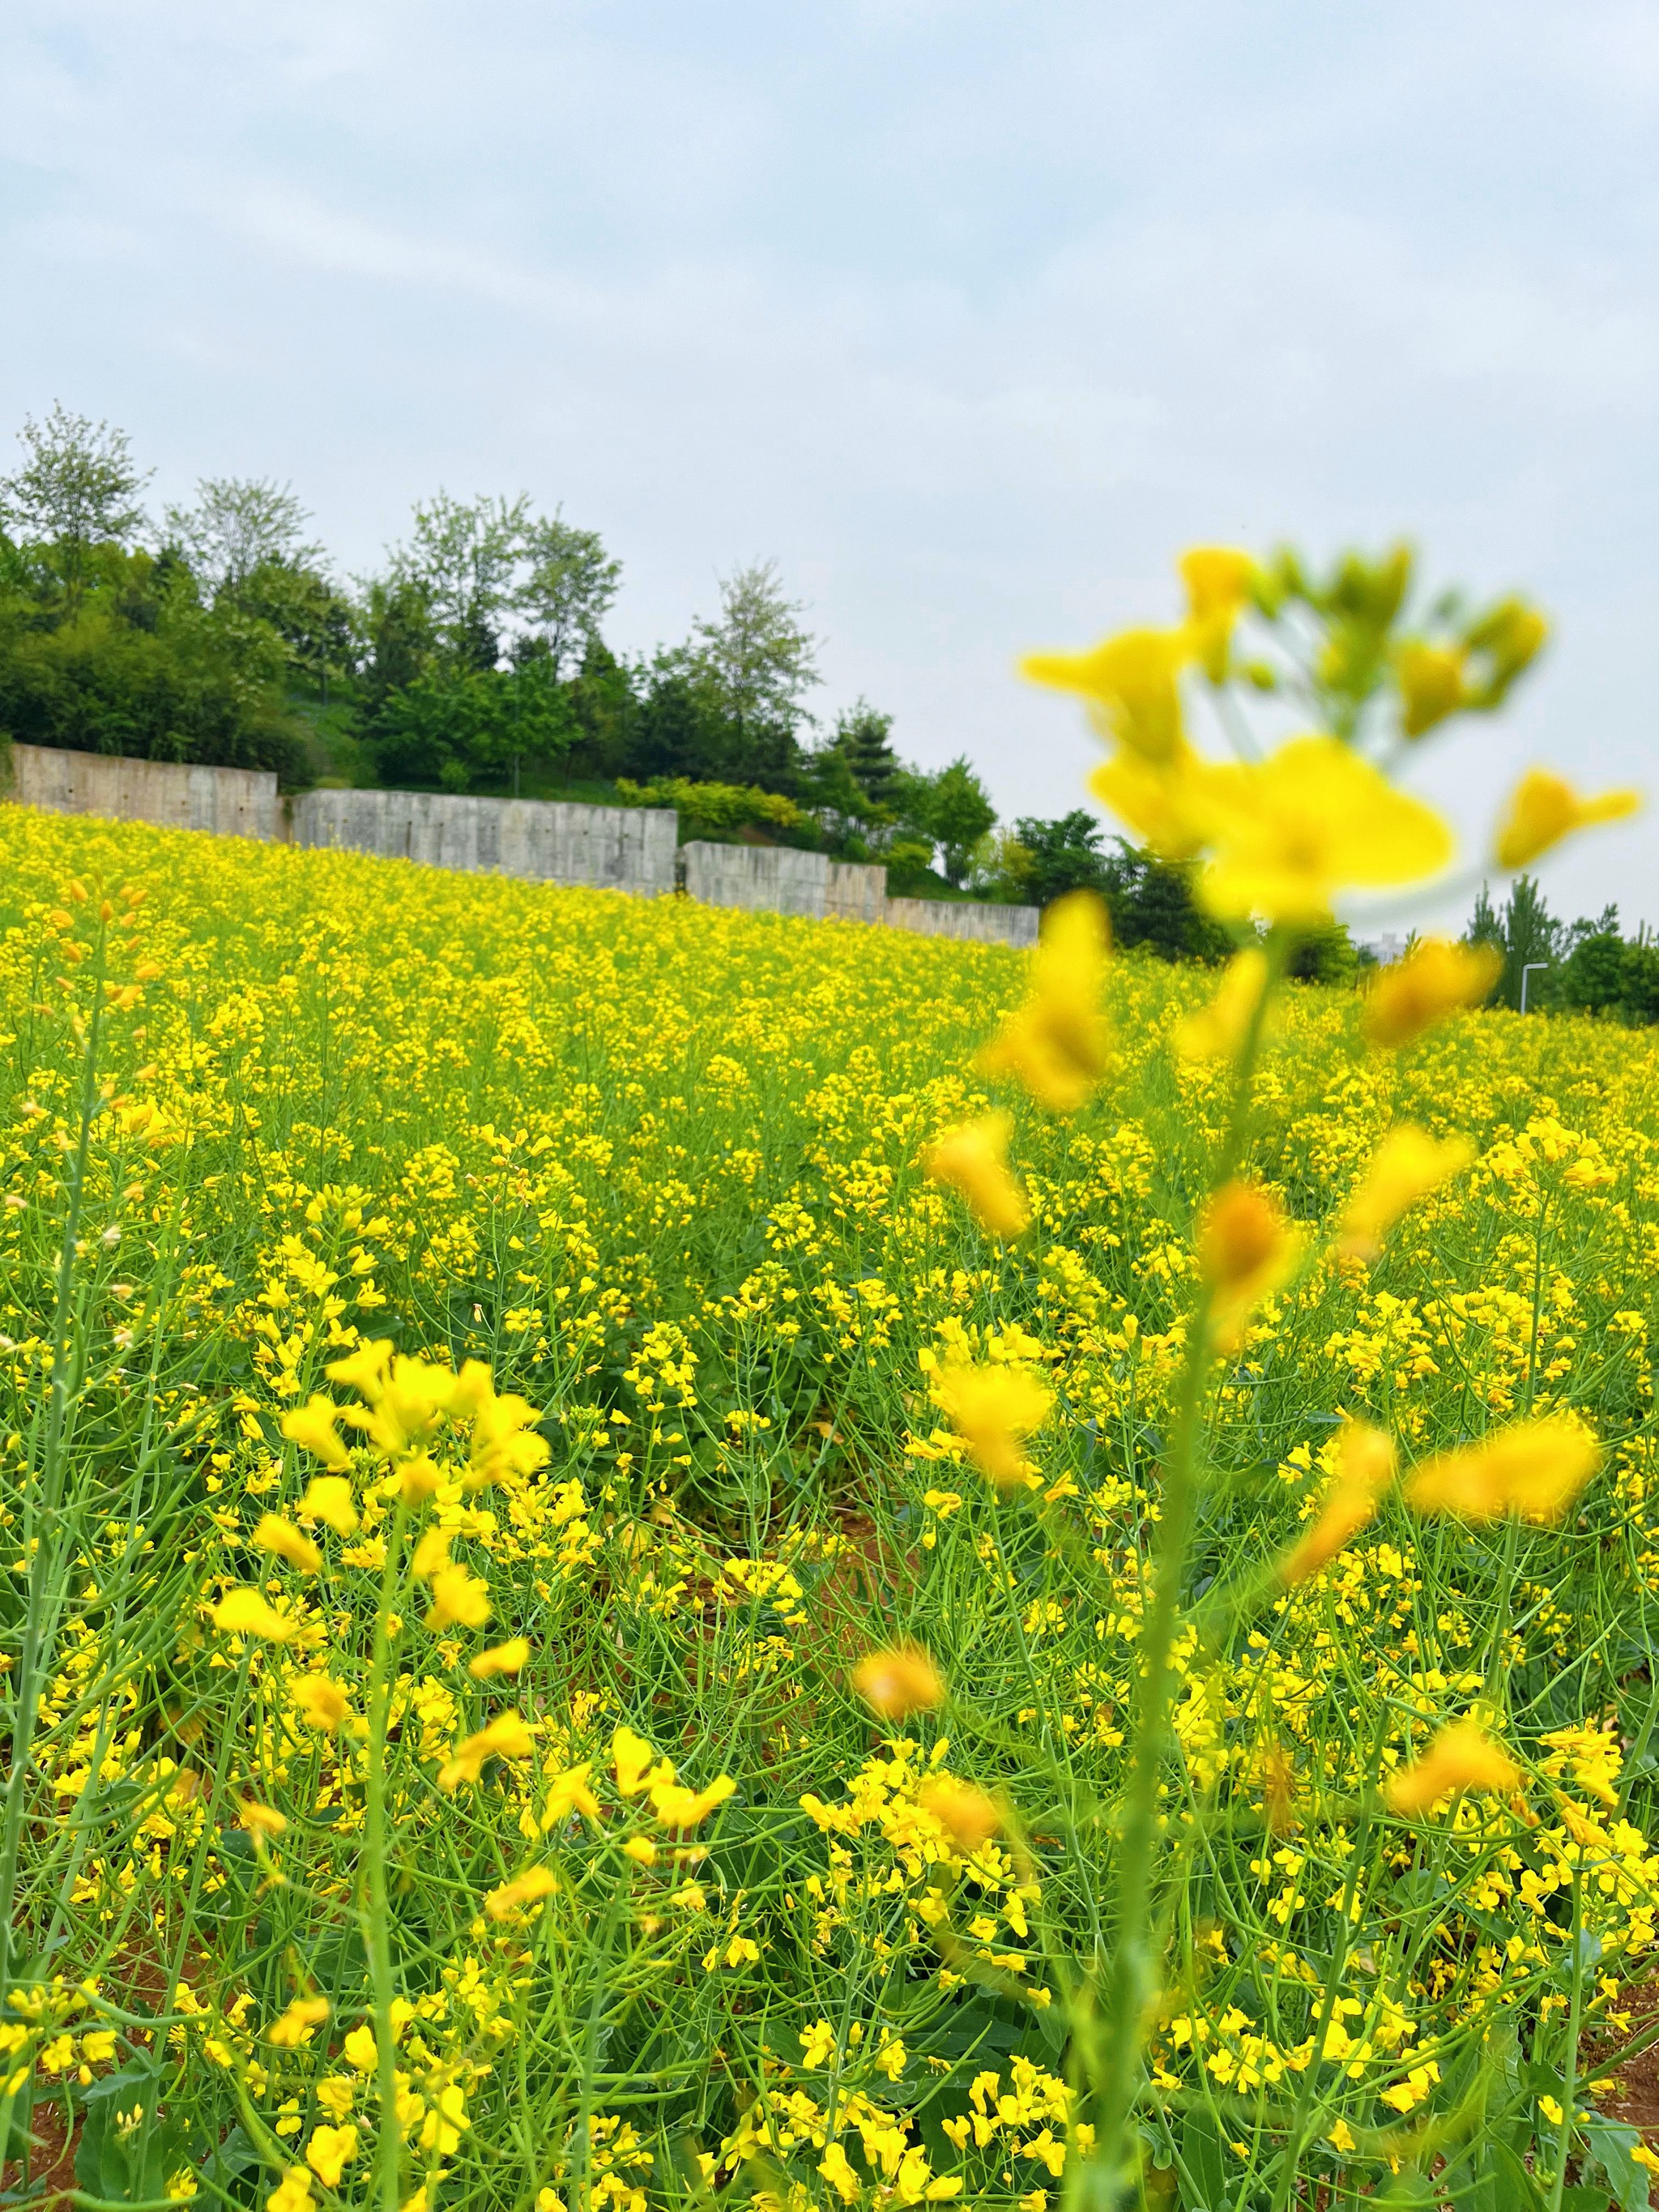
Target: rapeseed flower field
656	1557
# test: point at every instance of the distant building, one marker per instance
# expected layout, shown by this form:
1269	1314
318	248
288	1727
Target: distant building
1384	950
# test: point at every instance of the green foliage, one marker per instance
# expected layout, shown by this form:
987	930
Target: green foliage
953	808
714	805
1063	855
1152	904
117	654
1591	967
1326	954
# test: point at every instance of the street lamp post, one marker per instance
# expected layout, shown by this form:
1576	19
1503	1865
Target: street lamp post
1531	968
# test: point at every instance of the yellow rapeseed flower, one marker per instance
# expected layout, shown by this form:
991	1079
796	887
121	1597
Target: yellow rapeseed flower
899	1682
677	1807
506	1901
1165	802
245	1611
329	2151
292	2193
967	1814
320	1701
261	1820
294	2027
505	1737
1364	1471
1312	820
570	1794
1220	580
634	1763
1406	1166
501	1659
973	1160
1534	1470
458	1596
314	1427
1431	684
1435	979
1462	1756
993	1409
1246	1249
1056	1042
1218	1031
328	1499
1131	683
279	1536
1546	808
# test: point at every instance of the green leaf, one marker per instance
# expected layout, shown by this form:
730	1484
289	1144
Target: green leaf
1608	2145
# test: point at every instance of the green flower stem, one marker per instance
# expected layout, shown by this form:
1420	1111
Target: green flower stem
1129	1985
375	1910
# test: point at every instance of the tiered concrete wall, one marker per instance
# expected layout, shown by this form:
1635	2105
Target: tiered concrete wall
984	924
777	879
234	802
624	848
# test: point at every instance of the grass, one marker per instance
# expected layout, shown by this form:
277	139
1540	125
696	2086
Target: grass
656	1168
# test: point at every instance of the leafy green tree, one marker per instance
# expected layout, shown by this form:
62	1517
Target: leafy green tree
757	661
77	488
953	808
1324	954
1152	904
238	526
1064	854
460	560
863	741
1595	976
317	623
569	589
1523	933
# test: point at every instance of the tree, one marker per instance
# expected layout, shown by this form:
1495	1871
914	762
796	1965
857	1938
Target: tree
1152	904
758	661
1064	854
1324	954
239	525
1523	931
1595	975
317	623
954	809
77	487
569	589
461	559
862	740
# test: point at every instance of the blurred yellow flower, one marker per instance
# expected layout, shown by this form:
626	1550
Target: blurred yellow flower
261	1820
328	1499
276	1535
244	1611
1545	809
1220	580
993	1409
1164	802
510	1898
967	1814
1435	978
293	2028
1406	1166
505	1737
1431	684
677	1807
1218	1031
1536	1469
501	1659
329	2151
1245	1250
901	1681
320	1701
1462	1756
1056	1041
1313	819
570	1794
634	1763
1131	683
1364	1471
292	2193
458	1596
973	1160
314	1427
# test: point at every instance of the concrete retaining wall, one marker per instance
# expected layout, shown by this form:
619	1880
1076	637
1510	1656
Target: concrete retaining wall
624	848
233	802
980	924
777	879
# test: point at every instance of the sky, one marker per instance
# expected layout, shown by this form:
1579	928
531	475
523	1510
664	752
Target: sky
970	314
